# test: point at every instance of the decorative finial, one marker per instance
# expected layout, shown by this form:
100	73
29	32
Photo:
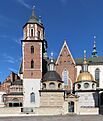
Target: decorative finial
84	54
94	37
33	6
94	52
33	13
40	19
85	60
85	63
52	56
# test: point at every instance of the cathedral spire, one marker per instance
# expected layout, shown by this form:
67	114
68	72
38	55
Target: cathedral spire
33	18
33	11
94	52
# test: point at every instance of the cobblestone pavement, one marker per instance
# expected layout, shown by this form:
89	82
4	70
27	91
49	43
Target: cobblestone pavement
54	118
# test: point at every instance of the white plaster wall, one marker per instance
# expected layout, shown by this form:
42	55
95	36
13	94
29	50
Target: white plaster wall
1	99
78	70
29	86
87	99
92	68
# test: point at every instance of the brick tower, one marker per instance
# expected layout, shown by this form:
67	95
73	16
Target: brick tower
32	50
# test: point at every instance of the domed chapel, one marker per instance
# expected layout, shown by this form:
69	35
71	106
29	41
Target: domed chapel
48	86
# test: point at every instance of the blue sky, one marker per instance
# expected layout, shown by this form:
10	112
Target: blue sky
77	21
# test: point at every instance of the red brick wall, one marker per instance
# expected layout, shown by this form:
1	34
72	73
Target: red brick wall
65	61
35	72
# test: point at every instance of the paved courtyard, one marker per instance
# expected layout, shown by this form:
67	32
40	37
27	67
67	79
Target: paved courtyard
54	118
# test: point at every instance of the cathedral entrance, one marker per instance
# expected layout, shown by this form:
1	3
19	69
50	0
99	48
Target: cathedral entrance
71	106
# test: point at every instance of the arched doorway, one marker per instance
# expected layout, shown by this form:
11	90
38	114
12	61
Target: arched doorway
71	106
15	103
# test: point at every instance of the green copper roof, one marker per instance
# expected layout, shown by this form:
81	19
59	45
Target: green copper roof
91	61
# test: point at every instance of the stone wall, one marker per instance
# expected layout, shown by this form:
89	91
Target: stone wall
88	111
51	99
6	110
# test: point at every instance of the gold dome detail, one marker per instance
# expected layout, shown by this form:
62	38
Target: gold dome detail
85	76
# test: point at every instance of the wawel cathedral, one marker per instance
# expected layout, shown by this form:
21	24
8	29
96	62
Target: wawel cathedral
48	86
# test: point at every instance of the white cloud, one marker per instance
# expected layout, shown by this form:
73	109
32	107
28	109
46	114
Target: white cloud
12	69
22	2
6	19
9	59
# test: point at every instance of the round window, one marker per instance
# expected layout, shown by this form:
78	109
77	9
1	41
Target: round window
93	85
86	85
78	86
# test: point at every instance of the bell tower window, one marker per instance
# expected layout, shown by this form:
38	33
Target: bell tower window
32	49
32	32
38	34
32	64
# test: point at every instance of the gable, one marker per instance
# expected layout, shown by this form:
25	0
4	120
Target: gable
65	55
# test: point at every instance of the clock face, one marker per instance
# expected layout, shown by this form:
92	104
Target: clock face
86	85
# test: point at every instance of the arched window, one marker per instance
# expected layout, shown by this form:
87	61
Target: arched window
52	85
97	75
32	97
65	76
44	86
32	49
59	86
32	64
38	34
32	32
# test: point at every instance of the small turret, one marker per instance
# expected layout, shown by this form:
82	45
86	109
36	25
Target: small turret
51	64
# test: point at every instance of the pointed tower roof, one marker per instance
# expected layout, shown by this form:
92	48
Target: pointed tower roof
34	18
65	47
94	52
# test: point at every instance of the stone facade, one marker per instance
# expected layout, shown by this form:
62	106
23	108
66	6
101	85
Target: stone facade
51	98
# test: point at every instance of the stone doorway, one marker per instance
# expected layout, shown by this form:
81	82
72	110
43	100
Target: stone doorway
71	107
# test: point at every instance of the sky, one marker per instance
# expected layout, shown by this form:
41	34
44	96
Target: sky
76	21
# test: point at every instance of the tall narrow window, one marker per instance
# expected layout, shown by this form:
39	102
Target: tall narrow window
32	64
32	31
38	34
32	49
97	76
32	97
65	76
